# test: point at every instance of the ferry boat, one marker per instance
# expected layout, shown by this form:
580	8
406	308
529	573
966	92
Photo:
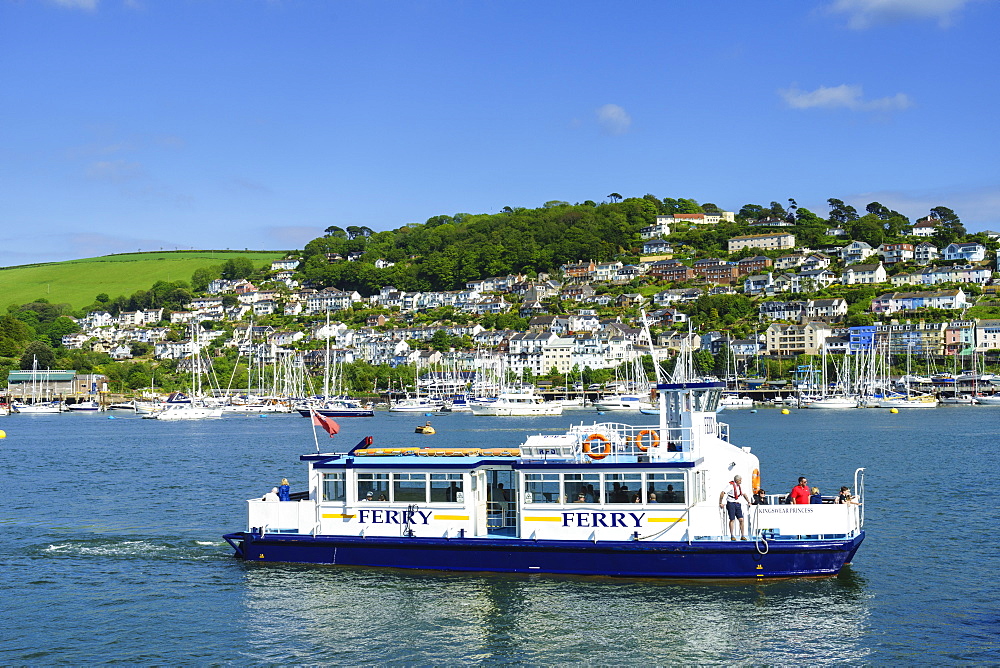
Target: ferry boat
603	499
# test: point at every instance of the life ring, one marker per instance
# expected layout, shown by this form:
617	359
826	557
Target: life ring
595	454
653	442
755	480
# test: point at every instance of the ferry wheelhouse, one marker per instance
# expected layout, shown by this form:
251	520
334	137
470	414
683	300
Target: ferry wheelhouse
606	499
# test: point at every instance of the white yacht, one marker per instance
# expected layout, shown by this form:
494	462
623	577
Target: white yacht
517	403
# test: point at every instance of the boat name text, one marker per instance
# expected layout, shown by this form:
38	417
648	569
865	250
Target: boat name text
373	516
606	520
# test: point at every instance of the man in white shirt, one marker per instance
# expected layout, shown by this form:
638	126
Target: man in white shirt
730	500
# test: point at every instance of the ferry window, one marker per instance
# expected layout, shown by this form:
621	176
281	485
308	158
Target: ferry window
409	487
447	488
667	488
587	485
334	487
541	488
373	487
622	487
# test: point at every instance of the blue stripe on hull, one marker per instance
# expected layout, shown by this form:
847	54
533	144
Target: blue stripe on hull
620	558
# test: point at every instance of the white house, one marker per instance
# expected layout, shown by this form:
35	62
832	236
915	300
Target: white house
864	273
969	252
855	252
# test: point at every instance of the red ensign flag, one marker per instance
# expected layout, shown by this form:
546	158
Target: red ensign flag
329	426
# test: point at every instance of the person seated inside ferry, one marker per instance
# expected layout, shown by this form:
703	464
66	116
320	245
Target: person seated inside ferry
652	497
591	495
581	498
668	487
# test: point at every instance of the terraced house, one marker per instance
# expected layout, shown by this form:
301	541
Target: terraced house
775	241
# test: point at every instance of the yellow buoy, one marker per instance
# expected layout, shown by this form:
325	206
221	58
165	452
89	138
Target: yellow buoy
893	410
3	434
784	411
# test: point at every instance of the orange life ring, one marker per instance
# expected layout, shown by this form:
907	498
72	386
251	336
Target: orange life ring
653	442
594	454
755	480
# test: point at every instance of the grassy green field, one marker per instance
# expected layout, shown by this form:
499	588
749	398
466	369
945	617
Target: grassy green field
77	282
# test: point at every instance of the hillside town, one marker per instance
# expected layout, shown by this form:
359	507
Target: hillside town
587	315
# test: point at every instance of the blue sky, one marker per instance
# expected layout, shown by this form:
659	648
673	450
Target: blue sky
147	124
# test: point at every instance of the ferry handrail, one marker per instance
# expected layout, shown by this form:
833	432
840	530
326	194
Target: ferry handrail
859	489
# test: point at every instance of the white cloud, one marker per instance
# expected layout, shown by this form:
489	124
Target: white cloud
614	119
114	170
88	5
842	97
862	14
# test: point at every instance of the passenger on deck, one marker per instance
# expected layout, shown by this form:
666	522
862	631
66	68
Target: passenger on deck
272	495
283	491
815	497
731	499
800	493
760	498
845	496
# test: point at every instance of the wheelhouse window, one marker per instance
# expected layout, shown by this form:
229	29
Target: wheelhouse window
447	488
622	487
541	488
373	487
408	487
583	487
334	487
665	488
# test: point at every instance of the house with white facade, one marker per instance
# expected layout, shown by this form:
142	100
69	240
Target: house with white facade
864	274
758	283
893	253
855	252
925	252
793	311
894	302
826	309
987	335
775	241
968	252
924	227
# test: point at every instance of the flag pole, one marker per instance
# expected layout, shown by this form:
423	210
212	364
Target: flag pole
312	420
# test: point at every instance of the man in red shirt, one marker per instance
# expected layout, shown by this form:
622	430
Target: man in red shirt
801	492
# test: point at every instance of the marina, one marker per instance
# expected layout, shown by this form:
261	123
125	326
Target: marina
114	553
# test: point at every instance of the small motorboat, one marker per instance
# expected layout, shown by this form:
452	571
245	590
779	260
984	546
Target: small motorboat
425	428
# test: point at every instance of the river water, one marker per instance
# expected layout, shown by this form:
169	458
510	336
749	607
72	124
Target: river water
112	552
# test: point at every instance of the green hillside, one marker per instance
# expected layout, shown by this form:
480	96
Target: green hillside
76	282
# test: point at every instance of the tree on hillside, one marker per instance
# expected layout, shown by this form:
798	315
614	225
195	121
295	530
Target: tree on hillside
949	229
40	351
237	268
614	197
841	213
